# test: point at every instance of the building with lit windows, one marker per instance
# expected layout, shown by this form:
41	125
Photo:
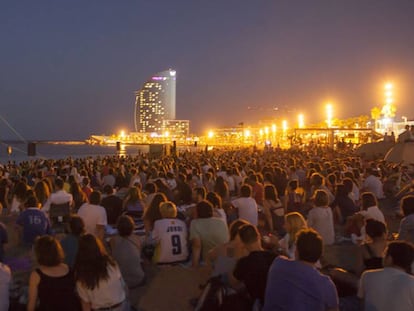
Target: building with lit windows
155	102
176	128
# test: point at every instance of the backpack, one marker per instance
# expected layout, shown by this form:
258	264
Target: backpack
212	296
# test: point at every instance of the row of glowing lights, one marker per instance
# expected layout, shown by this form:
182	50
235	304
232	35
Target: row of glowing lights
329	115
265	131
388	87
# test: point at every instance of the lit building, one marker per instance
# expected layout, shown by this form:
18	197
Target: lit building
176	128
155	102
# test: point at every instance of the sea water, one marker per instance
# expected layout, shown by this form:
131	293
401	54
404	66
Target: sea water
64	150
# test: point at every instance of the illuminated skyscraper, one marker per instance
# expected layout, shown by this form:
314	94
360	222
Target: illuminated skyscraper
155	102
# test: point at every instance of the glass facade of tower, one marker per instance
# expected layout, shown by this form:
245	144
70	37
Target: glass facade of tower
155	102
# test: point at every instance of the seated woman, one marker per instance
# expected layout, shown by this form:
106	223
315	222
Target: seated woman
371	252
343	205
52	283
218	210
170	235
222	259
70	242
98	279
126	250
273	210
294	222
320	217
133	202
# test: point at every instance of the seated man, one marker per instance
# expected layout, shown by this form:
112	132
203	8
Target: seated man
33	222
94	216
296	284
60	196
390	288
252	270
170	235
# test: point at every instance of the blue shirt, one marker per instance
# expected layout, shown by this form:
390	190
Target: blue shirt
293	285
34	223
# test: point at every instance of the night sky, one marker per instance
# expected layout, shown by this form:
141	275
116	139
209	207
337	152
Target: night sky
70	68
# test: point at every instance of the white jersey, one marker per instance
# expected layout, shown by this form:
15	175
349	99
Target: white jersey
171	235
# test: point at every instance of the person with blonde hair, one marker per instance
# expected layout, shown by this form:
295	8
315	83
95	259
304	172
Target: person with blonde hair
294	222
320	217
170	235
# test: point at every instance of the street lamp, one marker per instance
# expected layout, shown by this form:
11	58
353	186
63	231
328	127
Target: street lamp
329	113
301	121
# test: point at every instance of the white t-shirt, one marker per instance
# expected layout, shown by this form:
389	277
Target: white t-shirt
374	184
387	289
58	197
373	212
247	208
321	219
171	235
92	215
108	292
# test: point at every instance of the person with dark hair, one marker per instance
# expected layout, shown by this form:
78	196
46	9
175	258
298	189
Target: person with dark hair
19	197
149	191
126	250
222	189
257	189
253	269
86	188
223	258
373	183
294	198
206	232
42	192
246	205
152	212
343	206
371	253
406	230
317	182
296	284
99	281
273	210
218	210
60	196
133	201
390	288
33	222
370	210
70	242
94	216
112	204
79	197
199	194
52	284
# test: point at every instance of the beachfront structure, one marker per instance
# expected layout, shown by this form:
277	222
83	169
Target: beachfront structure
176	128
155	102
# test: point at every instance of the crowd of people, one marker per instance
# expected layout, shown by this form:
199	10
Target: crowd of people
260	220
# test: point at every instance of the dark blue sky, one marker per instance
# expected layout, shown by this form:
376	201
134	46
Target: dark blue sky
69	68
